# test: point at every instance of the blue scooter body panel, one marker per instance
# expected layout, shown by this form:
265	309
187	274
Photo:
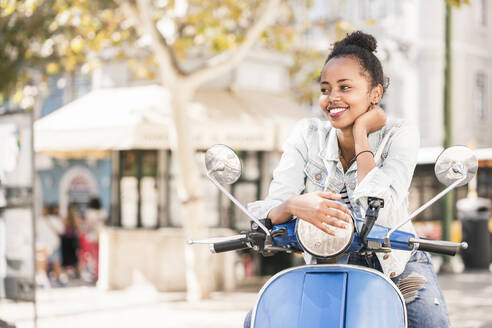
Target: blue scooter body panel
342	296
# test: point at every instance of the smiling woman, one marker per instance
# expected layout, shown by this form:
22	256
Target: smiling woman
331	167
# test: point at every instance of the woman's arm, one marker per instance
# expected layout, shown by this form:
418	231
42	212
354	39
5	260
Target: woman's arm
390	180
318	208
374	119
284	198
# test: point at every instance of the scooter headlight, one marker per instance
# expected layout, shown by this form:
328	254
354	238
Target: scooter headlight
320	244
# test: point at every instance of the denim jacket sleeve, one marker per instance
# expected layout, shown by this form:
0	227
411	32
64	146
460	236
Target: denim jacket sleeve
391	178
288	177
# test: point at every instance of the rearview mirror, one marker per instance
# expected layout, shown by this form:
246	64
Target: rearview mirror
455	163
223	164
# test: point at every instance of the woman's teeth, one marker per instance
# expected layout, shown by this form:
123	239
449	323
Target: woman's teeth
336	110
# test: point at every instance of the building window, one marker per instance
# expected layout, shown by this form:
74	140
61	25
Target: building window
138	189
481	95
149	191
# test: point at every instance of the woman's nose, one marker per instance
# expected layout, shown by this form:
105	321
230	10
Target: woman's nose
333	96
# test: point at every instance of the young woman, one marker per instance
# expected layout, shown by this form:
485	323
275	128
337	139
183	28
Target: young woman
330	167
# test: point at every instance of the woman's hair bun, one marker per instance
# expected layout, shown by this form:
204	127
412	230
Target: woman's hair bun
359	39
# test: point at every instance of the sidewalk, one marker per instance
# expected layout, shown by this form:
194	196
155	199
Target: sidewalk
469	298
140	306
468	295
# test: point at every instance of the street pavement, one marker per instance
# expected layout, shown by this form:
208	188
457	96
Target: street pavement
468	296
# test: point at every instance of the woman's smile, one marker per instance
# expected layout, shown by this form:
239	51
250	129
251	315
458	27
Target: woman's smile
336	111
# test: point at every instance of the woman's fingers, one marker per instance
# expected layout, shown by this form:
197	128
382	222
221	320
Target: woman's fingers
330	220
329	195
338	210
320	225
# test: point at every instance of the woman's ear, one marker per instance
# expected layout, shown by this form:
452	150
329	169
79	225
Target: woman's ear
376	94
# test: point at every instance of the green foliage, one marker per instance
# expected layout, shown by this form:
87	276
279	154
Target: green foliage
43	37
48	37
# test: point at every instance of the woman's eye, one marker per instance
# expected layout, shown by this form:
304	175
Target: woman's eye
323	90
344	87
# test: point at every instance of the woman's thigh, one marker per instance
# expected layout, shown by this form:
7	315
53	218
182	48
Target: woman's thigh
423	297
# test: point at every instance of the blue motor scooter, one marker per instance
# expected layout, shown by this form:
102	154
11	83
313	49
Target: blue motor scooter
332	295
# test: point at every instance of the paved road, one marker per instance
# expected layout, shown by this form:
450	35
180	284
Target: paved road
469	298
468	295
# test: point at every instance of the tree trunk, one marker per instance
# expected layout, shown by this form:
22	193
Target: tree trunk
199	280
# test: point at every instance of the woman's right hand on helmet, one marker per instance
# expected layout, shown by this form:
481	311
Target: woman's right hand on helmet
322	209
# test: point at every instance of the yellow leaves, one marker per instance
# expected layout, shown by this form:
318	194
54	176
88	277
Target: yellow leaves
222	42
371	22
343	27
181	46
457	3
18	96
7	8
70	63
52	68
86	20
77	44
30	6
107	15
53	26
97	41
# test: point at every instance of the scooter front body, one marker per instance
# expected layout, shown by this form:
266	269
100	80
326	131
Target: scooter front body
330	295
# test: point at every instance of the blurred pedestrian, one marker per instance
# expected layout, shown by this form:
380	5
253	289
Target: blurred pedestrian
95	217
70	241
48	246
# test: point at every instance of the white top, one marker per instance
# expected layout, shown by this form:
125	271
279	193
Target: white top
49	229
94	221
311	162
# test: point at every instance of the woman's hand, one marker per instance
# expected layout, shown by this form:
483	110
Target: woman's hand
372	120
320	209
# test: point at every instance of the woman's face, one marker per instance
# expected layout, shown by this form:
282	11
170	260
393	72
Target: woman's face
346	92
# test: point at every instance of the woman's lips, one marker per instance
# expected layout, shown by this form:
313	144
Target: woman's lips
336	112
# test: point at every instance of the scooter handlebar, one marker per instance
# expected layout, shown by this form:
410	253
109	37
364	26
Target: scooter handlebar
437	246
229	245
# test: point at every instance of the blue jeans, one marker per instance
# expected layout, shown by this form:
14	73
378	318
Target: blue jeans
425	303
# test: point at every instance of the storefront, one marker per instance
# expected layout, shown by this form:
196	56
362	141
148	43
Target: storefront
133	137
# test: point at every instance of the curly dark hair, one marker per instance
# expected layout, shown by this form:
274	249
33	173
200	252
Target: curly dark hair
361	46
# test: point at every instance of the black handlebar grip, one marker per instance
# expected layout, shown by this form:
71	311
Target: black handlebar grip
226	246
437	246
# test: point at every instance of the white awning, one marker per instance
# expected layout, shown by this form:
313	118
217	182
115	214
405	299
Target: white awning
428	155
140	118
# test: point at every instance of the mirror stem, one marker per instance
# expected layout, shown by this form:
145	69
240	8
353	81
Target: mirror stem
423	207
235	201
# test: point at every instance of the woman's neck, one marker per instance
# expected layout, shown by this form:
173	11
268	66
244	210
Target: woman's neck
346	143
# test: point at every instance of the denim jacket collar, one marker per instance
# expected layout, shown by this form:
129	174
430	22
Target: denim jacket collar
331	152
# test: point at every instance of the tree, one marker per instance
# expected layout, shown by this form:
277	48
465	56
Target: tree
182	84
189	42
44	37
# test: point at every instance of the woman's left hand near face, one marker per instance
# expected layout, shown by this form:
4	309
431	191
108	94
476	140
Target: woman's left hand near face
372	120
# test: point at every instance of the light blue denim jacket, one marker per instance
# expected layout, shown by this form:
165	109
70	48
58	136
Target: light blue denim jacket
310	162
